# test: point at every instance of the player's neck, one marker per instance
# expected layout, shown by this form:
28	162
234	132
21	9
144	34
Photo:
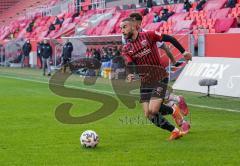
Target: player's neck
135	35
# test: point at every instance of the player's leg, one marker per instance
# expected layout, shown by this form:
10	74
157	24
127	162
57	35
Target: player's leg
159	120
179	100
156	103
171	98
151	106
183	124
145	109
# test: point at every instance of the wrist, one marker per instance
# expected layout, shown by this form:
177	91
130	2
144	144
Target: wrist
184	53
174	62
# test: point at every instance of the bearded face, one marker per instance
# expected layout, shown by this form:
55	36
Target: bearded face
127	29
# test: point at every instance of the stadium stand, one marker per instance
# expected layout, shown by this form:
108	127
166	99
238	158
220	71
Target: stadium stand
211	14
214	18
20	7
214	5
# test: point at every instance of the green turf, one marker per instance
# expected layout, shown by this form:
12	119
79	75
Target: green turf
31	135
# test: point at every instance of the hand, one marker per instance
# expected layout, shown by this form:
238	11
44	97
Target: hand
187	56
130	77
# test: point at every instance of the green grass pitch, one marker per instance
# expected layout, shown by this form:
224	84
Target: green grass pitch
31	135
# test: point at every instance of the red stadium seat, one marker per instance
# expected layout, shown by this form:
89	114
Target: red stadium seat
157	9
194	5
222	13
165	32
234	10
77	19
111	24
214	4
178	8
183	25
153	26
223	25
178	17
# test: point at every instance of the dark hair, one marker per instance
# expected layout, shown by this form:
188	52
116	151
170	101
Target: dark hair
136	16
128	19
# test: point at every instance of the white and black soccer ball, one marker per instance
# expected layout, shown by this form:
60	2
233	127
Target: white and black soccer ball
89	139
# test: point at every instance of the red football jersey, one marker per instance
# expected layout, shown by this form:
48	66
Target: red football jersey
144	53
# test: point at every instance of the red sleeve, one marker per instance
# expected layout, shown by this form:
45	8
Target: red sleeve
155	36
126	55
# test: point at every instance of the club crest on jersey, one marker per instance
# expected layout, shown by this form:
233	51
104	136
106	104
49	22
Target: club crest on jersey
158	33
144	43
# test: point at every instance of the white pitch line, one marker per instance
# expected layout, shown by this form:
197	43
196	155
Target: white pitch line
214	108
44	82
23	79
109	92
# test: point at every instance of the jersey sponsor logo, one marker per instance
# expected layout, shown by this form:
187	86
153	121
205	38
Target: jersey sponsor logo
142	53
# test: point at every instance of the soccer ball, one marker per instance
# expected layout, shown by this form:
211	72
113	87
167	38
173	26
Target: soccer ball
89	139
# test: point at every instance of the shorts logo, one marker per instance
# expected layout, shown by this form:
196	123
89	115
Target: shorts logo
159	90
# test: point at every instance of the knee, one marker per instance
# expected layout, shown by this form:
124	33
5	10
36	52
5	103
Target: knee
153	111
147	114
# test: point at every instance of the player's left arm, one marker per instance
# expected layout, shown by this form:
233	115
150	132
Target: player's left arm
169	53
167	38
175	43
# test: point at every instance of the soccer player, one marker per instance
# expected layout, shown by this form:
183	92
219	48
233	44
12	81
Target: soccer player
141	50
138	21
170	98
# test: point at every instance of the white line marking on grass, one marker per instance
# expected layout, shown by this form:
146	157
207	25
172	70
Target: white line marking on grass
214	108
112	93
24	79
44	82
